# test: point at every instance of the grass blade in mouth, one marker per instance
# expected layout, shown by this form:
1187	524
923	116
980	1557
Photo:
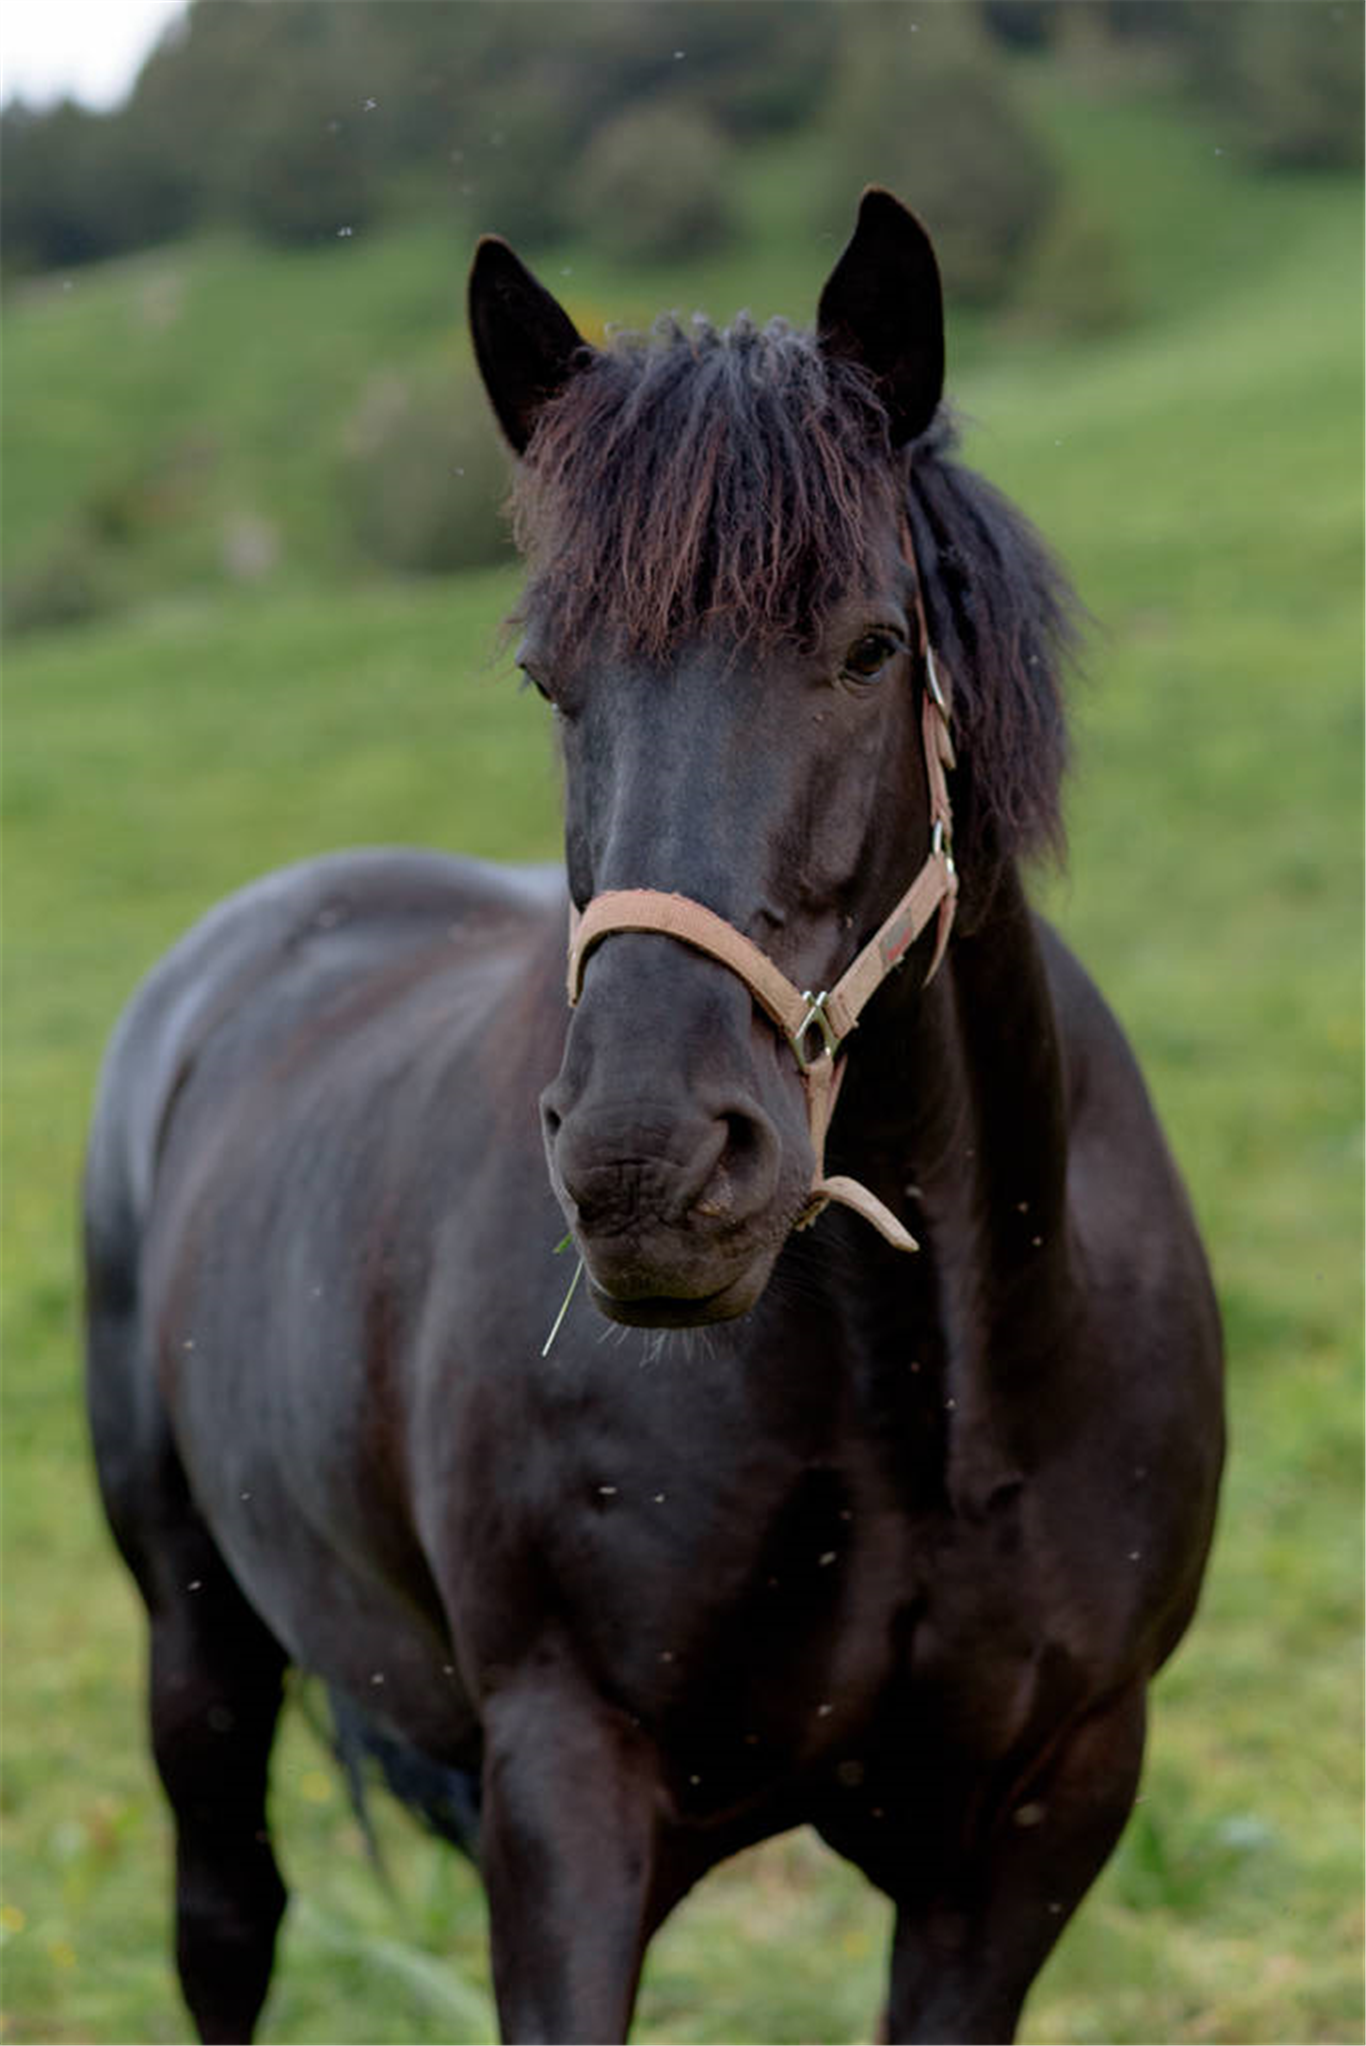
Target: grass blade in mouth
564	1304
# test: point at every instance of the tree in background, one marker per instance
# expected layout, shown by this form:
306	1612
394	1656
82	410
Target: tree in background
295	119
80	186
292	118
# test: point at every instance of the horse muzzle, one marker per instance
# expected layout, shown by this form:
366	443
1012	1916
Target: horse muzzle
676	1137
678	1209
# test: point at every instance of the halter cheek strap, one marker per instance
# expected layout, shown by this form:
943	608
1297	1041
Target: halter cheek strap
815	1025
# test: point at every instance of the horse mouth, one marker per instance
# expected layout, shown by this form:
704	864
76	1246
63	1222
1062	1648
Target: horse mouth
676	1310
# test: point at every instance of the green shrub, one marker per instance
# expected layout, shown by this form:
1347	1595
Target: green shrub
1290	79
1282	77
302	167
1077	282
754	66
508	166
70	583
1019	24
424	476
654	183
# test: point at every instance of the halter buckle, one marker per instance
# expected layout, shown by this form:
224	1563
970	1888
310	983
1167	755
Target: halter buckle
941	841
932	683
815	1013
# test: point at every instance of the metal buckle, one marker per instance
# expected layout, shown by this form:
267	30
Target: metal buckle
815	1013
937	695
941	842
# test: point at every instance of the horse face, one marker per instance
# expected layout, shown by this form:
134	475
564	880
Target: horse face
788	796
767	769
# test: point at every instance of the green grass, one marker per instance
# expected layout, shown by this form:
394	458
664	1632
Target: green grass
1201	476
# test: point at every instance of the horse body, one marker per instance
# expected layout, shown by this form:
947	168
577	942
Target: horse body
890	1545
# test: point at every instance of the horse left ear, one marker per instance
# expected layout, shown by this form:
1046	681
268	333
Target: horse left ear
883	307
525	343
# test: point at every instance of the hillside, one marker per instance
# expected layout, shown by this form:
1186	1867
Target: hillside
216	415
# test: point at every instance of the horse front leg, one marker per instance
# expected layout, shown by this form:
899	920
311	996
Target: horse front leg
962	1967
568	1857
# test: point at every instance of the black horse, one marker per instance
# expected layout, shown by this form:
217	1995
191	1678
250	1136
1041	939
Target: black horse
885	1540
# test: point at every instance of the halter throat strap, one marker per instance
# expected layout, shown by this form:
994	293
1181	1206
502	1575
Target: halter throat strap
814	1025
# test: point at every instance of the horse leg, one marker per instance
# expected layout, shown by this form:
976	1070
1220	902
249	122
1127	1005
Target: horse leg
568	1852
962	1967
216	1670
216	1676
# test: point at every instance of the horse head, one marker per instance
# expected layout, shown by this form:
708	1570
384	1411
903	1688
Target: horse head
723	610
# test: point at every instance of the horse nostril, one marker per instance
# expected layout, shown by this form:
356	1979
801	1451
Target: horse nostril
745	1175
744	1139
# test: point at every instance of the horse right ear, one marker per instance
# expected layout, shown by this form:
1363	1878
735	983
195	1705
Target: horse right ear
883	307
525	343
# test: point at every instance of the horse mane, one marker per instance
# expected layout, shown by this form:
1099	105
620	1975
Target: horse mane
1006	621
697	478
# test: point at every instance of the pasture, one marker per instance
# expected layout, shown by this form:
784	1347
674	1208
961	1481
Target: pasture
1200	475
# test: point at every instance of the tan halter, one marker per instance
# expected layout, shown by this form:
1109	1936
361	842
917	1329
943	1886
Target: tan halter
834	1012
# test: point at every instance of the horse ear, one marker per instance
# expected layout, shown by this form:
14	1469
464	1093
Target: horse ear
525	343
883	307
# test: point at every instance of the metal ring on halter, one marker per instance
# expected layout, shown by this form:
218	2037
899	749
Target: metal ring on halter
815	1013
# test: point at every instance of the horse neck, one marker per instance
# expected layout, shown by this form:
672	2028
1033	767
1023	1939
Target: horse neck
960	1091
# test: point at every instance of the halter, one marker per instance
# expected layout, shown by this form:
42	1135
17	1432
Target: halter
815	1025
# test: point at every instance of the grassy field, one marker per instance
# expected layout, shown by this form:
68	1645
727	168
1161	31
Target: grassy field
1201	476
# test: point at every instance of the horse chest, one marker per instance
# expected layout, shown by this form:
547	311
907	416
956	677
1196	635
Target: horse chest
813	1630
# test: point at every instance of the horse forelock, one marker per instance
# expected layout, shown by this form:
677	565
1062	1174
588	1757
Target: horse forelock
735	480
741	482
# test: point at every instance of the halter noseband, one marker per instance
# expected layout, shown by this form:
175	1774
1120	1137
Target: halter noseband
815	1025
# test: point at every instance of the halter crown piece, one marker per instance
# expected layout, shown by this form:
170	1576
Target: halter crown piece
815	1025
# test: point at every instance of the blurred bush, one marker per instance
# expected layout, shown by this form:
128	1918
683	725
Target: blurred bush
1020	24
72	582
135	525
754	67
922	102
1077	283
298	178
1289	76
511	165
1286	75
655	183
424	476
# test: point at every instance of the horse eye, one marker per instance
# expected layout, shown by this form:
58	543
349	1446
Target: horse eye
537	682
869	655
